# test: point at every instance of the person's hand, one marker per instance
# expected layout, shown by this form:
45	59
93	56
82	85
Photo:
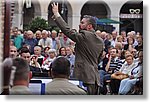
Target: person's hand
34	59
109	57
55	8
118	73
131	77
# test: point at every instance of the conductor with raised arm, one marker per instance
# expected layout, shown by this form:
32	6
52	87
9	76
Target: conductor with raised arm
88	49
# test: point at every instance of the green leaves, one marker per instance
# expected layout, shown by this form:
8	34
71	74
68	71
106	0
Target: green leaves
38	23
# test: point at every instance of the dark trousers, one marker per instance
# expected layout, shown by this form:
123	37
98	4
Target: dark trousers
114	84
92	89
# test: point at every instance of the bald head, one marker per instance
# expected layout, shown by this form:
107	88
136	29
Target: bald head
103	35
114	34
54	34
38	34
98	32
30	34
44	34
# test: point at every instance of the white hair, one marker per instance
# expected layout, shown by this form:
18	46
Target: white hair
133	32
52	51
45	31
54	31
29	31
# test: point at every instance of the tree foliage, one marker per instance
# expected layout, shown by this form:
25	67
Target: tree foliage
38	23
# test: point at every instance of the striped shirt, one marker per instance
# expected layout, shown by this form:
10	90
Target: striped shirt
115	65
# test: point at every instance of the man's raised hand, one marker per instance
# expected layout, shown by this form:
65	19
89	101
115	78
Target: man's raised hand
55	8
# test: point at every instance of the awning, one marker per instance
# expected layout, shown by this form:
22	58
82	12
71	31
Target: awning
107	21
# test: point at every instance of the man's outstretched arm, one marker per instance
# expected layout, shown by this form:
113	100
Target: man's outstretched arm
72	34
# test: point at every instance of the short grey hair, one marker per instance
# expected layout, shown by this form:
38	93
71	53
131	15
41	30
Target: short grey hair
45	31
22	70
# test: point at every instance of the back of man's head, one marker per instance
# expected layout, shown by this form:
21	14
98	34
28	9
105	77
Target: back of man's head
60	67
22	69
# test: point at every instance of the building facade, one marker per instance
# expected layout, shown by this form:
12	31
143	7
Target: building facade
128	12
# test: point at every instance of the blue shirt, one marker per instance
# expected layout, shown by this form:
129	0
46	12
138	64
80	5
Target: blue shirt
54	46
32	43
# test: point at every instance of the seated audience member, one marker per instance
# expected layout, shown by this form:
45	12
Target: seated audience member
114	37
140	43
52	55
108	51
30	41
11	42
25	54
123	73
134	53
65	41
45	41
17	38
38	35
71	57
129	46
60	85
38	53
136	72
34	62
113	65
45	53
102	72
13	52
118	46
106	41
55	40
124	37
21	77
62	51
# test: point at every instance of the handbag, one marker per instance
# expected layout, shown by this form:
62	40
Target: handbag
119	76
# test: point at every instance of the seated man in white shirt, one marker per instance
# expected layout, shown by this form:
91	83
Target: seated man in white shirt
45	41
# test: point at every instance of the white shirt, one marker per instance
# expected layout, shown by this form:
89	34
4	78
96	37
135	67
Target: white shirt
45	42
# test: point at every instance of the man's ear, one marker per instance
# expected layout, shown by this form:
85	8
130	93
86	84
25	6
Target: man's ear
30	75
89	26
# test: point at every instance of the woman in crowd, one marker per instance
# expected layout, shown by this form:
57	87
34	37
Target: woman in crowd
124	72
136	72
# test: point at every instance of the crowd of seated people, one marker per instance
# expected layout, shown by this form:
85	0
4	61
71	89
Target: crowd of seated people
42	48
115	58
